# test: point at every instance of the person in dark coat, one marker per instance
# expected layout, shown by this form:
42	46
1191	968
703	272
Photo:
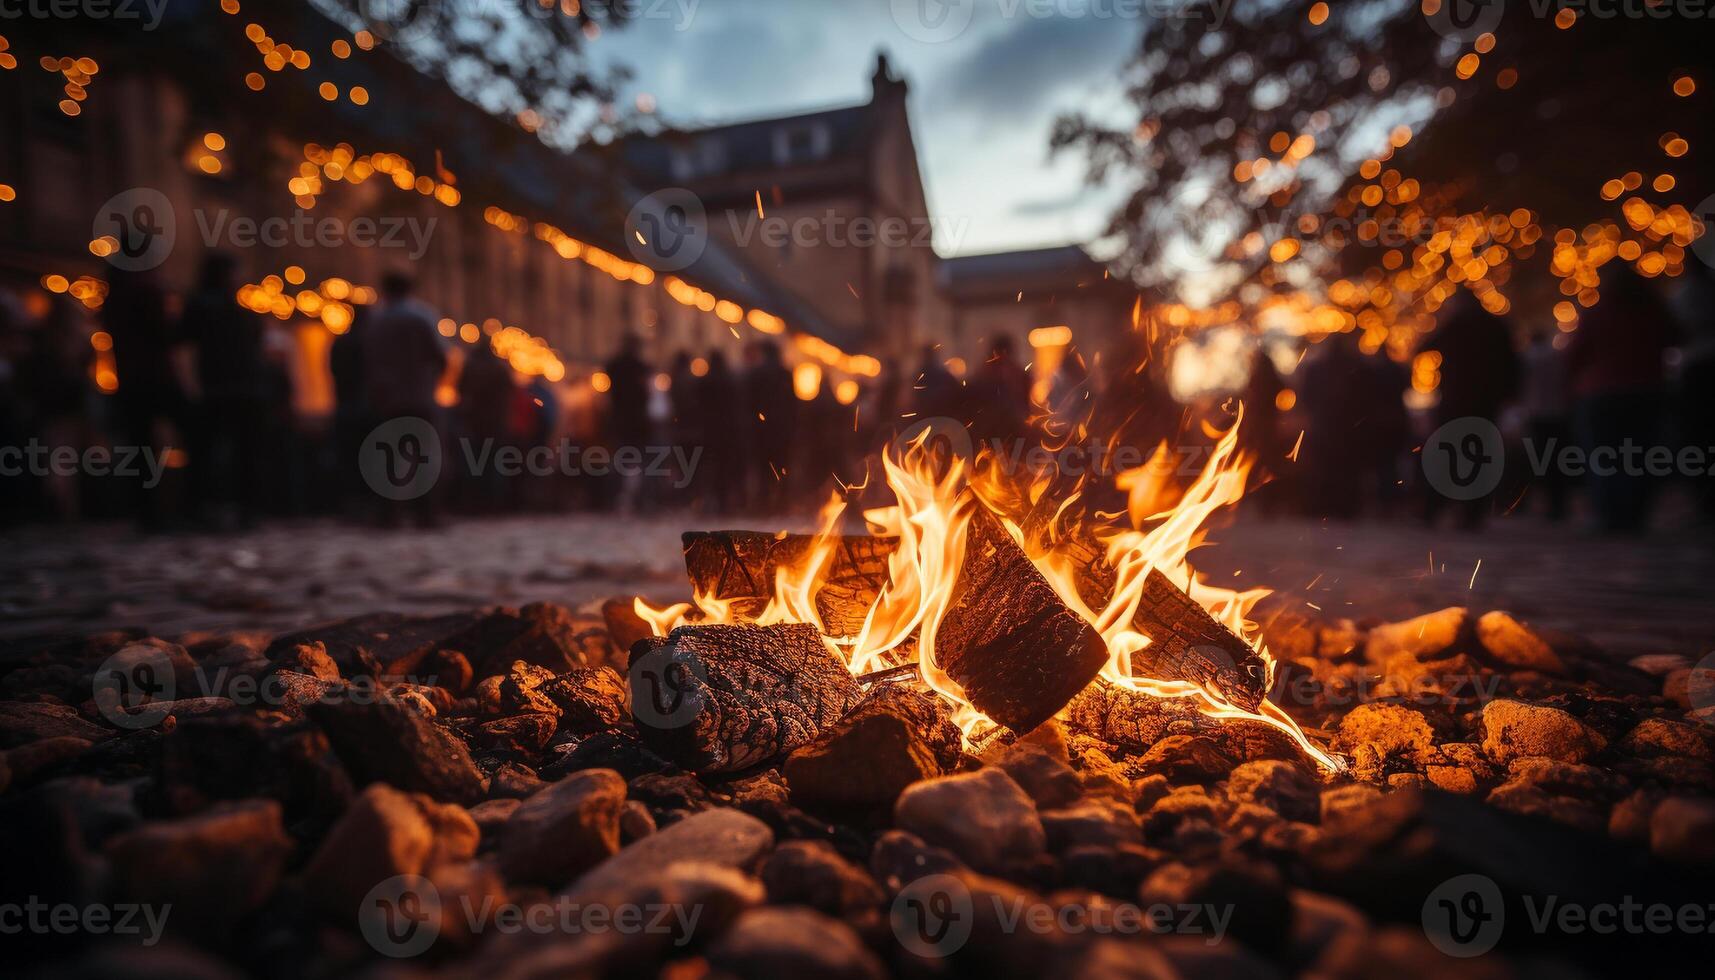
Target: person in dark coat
1616	362
1480	374
403	362
135	316
725	428
231	370
771	401
629	377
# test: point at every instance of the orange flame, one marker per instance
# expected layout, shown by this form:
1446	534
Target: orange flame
936	496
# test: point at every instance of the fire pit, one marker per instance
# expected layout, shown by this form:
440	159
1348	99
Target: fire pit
992	734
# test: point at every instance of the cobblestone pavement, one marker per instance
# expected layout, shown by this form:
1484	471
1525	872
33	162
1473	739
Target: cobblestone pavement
1632	597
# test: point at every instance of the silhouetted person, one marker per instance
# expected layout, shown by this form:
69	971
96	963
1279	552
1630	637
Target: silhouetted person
1389	432
935	392
231	371
1345	410
50	379
725	430
1546	400
1479	376
352	418
628	409
135	316
1696	304
772	403
487	392
1615	360
403	361
999	396
685	429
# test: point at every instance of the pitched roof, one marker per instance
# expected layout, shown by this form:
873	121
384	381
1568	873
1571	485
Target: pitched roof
1061	265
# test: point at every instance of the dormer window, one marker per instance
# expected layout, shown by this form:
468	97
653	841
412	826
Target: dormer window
801	143
706	156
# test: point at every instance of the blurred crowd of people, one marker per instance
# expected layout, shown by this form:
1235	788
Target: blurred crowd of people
1636	372
209	387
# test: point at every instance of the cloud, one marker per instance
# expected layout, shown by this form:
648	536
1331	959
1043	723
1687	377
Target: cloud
1022	69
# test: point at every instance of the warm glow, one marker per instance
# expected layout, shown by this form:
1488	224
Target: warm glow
600	381
807	381
1058	336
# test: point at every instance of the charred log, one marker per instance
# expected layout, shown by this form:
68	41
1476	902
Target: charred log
1007	639
1186	643
726	698
740	566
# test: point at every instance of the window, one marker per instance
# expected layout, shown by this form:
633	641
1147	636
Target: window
707	156
801	143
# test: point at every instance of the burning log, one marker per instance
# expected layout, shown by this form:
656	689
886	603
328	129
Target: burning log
1186	643
1015	649
740	567
1189	644
1129	719
726	698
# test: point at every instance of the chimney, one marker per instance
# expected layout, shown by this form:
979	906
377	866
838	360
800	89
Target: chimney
883	84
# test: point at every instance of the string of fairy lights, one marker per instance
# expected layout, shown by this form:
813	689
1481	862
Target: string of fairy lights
1392	303
333	300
